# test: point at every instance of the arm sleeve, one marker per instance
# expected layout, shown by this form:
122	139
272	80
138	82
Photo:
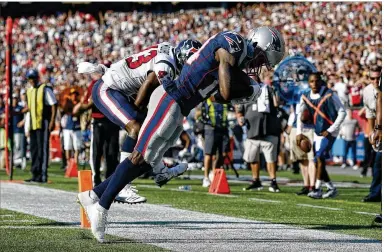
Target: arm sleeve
341	114
369	113
291	119
299	123
50	98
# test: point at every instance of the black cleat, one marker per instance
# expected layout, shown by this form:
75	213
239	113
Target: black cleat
303	191
256	185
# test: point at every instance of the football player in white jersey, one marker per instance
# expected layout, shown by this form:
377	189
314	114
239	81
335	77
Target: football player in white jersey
123	93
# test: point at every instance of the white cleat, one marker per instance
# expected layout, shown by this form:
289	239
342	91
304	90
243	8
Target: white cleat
97	217
167	174
129	195
206	182
315	194
331	193
87	198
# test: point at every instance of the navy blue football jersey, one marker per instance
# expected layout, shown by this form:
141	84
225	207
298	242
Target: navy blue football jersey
197	80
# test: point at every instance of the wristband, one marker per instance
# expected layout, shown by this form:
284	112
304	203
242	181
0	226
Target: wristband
377	127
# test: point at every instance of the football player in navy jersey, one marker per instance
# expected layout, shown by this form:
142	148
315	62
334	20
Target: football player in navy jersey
212	70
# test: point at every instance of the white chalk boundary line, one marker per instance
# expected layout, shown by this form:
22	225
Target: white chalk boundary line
365	213
322	207
17	220
254	199
40	227
265	200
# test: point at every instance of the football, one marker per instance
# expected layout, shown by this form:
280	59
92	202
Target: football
305	145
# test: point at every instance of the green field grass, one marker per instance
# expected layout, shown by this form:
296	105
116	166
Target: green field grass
22	232
286	211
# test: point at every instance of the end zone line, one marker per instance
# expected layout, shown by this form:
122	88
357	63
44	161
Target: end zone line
322	207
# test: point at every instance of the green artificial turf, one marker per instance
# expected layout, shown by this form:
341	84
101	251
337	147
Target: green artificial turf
23	232
287	211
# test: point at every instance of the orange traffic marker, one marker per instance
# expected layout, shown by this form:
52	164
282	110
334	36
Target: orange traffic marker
71	169
85	184
219	184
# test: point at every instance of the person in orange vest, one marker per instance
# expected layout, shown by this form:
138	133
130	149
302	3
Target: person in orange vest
42	104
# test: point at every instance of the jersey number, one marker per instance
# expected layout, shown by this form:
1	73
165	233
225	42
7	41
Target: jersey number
141	59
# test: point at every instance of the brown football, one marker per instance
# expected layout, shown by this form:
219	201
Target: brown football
305	145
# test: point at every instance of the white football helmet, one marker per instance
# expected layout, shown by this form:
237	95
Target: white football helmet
265	47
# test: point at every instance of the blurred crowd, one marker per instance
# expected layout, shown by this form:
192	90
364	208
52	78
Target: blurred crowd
343	40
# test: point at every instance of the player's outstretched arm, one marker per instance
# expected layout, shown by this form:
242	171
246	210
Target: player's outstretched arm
226	60
145	91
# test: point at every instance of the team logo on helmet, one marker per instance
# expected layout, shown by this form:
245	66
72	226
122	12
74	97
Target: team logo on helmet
275	46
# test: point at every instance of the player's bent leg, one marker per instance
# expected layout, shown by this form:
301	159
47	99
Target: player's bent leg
113	104
161	127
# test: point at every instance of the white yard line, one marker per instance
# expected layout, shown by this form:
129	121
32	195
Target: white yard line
265	200
223	195
365	213
40	227
322	207
17	220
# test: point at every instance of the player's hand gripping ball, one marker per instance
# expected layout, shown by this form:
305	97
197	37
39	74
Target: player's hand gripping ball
304	143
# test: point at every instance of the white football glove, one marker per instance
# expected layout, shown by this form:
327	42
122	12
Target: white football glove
87	68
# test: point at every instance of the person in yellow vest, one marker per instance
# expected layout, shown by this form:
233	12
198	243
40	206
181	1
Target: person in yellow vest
215	119
41	104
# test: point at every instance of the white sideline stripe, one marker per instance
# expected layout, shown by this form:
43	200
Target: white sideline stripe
17	221
7	215
38	227
223	195
322	207
149	186
179	190
265	200
374	214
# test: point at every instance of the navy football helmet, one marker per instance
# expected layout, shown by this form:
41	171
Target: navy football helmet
184	50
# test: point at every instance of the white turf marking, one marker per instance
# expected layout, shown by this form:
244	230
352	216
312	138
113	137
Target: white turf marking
179	190
366	213
17	221
265	200
149	186
223	195
329	208
7	215
38	227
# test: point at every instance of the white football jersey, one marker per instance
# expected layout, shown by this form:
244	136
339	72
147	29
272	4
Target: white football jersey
127	75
